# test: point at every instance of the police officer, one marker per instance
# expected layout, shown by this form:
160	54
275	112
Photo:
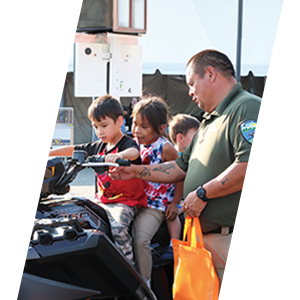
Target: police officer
214	164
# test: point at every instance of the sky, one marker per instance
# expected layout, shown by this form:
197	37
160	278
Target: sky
179	29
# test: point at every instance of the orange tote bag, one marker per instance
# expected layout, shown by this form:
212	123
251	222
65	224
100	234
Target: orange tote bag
194	274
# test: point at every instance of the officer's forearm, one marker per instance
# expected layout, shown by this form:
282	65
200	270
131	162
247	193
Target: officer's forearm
168	172
228	182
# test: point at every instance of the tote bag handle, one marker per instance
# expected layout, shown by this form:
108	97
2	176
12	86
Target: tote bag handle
187	231
192	230
197	237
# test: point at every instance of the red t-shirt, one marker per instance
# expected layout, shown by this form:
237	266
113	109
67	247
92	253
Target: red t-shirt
129	192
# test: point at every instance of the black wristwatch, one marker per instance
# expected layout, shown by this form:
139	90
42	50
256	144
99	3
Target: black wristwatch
201	192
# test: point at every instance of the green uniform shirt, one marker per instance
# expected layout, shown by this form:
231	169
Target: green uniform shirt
225	136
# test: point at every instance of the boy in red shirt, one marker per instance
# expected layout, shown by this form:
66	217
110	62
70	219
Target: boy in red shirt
119	198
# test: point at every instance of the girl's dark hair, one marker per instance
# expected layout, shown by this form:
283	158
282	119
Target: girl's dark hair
219	61
105	106
155	110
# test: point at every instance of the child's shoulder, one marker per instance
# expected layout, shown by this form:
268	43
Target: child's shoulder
126	142
168	151
163	141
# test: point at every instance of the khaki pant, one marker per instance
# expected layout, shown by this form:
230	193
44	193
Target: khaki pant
218	246
145	225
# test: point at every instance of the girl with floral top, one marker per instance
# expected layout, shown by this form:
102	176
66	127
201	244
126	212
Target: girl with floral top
150	119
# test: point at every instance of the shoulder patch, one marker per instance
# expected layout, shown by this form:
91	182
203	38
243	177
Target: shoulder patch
248	129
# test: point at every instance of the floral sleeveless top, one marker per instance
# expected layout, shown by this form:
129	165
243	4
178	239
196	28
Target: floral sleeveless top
158	194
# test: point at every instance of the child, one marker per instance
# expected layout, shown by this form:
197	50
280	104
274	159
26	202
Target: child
150	118
119	198
182	129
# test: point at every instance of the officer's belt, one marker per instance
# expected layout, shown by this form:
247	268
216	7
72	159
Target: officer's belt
224	230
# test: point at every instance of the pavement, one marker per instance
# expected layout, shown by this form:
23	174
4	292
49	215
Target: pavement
84	184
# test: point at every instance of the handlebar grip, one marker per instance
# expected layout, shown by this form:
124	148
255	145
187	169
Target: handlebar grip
123	162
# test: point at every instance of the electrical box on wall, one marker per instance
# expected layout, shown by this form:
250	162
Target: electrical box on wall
126	72
112	66
90	69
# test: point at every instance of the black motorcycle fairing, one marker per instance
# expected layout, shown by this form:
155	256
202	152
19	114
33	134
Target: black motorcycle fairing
71	251
34	287
92	262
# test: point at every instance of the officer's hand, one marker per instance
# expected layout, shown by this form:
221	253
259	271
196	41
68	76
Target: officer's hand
192	205
124	173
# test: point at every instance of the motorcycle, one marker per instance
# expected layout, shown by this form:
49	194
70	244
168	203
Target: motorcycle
71	254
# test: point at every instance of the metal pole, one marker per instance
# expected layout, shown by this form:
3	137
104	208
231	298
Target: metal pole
239	41
94	137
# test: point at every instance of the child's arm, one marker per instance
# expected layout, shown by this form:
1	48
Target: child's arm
130	153
169	153
172	210
62	151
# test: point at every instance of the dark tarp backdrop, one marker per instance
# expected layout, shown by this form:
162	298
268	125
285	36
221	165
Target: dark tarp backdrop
171	88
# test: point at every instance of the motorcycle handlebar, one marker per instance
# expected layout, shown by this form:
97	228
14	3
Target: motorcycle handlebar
101	159
123	162
78	162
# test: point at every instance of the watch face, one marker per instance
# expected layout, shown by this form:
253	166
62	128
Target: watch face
200	192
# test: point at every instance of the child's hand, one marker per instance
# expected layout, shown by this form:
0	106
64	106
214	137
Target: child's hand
111	158
171	212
